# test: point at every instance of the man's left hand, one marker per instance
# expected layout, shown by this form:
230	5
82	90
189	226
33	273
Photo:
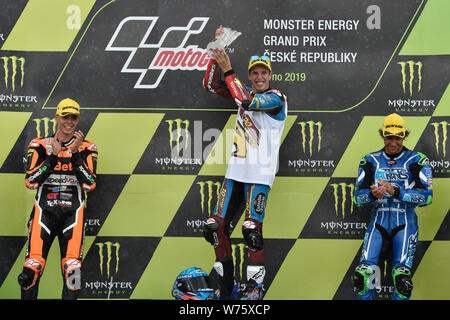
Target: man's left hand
79	137
389	188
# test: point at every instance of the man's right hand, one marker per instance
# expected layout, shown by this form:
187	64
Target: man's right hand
56	145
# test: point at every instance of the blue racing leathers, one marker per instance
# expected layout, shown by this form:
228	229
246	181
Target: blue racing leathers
393	216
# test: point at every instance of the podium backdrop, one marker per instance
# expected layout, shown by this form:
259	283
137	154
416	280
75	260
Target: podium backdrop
136	69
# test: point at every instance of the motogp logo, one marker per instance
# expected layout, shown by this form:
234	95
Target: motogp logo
152	60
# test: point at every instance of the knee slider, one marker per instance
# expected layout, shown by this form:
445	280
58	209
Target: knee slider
252	237
402	281
210	232
71	269
362	278
32	270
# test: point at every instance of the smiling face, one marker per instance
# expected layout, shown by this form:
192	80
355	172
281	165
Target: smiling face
393	144
259	76
67	125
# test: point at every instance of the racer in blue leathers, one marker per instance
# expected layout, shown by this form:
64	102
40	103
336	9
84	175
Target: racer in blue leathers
394	180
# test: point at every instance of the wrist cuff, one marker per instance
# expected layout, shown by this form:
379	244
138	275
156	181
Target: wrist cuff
396	194
229	72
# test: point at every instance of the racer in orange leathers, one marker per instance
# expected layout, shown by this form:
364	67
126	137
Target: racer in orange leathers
62	169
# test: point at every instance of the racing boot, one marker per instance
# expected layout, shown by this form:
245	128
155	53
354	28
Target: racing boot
223	275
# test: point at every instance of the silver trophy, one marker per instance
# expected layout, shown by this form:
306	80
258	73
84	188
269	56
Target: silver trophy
223	40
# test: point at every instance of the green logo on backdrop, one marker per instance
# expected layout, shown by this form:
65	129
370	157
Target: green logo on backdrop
443	125
110	253
407	70
175	127
209	194
11	63
343	194
311	125
238	252
45	126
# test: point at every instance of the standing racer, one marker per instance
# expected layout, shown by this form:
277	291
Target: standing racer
251	169
61	168
395	180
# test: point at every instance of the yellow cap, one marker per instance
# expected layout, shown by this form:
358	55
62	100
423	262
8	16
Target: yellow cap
394	125
257	60
68	106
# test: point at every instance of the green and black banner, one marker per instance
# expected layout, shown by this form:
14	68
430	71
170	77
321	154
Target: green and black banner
136	69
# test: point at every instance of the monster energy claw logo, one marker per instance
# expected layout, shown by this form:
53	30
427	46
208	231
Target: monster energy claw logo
13	65
109	255
410	75
311	125
176	132
238	255
443	125
207	195
343	196
46	123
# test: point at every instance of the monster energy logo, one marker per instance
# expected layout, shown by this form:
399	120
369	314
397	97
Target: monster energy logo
13	64
342	193
47	124
311	125
109	255
443	125
409	66
175	131
238	255
207	195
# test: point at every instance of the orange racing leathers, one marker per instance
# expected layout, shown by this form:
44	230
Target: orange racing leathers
61	182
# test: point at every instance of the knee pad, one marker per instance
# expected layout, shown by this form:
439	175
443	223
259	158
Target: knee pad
210	232
402	281
71	269
253	238
363	278
32	271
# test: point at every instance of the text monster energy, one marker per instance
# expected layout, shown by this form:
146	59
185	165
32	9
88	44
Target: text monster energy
311	144
311	125
14	66
343	192
109	254
207	195
343	206
443	125
411	79
408	66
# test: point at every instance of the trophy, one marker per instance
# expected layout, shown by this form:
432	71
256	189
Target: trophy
223	40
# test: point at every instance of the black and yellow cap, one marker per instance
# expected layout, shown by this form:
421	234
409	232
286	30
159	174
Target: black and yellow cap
68	106
394	125
259	60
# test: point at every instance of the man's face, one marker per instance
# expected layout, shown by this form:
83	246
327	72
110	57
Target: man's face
393	144
259	76
67	124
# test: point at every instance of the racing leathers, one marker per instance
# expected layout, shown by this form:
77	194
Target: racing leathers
61	182
250	174
393	217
